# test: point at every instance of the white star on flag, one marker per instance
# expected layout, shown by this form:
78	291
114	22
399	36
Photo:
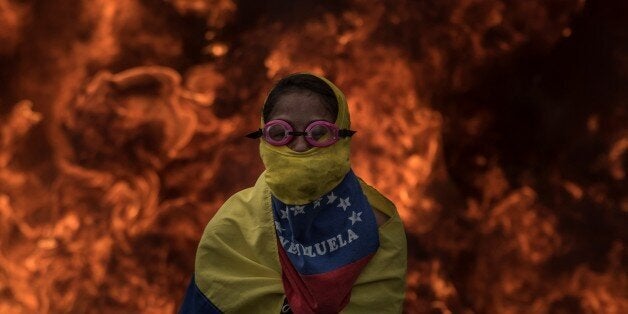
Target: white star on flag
317	202
344	203
355	217
298	210
331	198
284	213
278	227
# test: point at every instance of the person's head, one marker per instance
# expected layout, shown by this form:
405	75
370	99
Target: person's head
305	138
303	84
301	99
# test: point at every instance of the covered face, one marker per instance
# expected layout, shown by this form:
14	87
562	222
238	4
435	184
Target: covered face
300	172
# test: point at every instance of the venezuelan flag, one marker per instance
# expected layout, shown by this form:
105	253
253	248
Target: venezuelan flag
238	267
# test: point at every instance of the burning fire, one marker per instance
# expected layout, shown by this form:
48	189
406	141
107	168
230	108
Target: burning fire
493	125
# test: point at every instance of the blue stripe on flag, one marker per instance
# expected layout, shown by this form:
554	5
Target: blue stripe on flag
333	231
195	302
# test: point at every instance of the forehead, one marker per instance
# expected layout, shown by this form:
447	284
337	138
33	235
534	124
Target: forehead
300	107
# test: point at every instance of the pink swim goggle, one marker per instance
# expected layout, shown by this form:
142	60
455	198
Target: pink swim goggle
319	133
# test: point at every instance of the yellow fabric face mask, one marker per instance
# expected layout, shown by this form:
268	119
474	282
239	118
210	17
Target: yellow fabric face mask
298	178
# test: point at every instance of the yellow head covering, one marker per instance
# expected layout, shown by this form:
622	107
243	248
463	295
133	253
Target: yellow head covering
301	177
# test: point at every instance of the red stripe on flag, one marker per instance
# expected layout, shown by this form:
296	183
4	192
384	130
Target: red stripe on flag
321	293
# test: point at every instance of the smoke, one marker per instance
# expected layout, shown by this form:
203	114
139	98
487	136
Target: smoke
496	127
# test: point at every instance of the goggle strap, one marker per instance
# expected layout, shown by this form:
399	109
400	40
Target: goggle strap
341	133
256	134
345	133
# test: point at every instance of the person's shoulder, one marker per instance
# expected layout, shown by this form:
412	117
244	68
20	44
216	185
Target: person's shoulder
243	205
256	194
244	195
377	200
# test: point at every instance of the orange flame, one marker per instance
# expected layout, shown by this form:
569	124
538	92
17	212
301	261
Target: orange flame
122	129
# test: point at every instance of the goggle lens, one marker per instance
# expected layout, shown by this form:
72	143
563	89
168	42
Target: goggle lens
321	135
277	132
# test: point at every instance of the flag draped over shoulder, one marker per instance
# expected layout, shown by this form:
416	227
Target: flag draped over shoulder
238	270
324	245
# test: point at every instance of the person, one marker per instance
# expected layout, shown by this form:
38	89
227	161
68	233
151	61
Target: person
310	236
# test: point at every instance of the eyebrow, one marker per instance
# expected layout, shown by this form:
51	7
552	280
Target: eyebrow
283	117
305	125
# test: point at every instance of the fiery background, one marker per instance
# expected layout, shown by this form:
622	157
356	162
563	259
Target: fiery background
499	128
